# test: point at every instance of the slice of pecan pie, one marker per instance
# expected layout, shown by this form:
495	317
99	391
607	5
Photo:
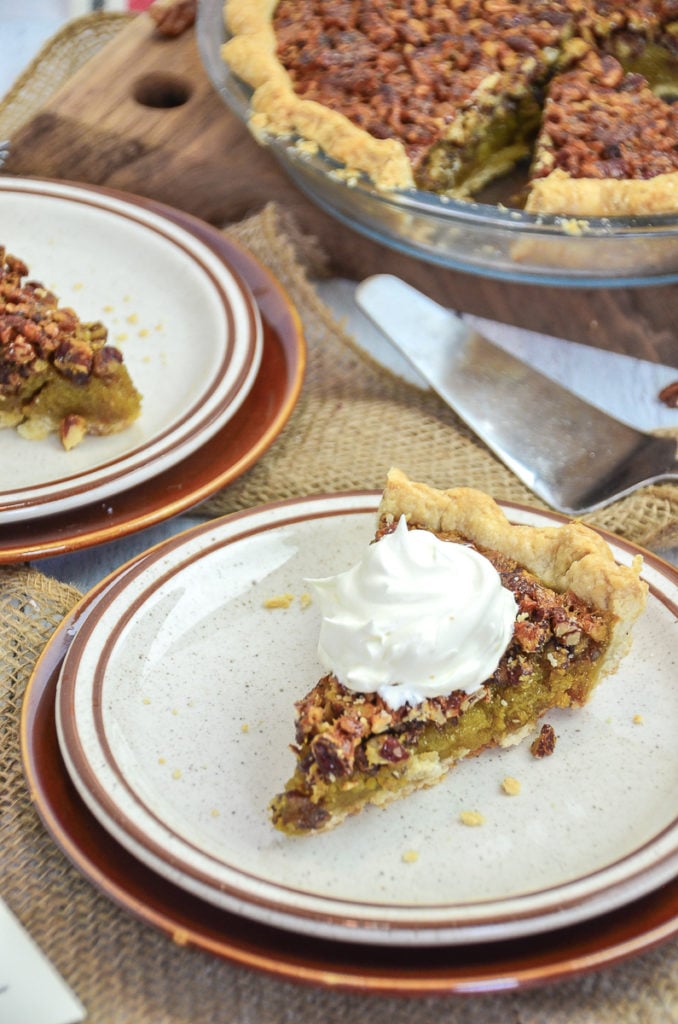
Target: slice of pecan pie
573	612
57	373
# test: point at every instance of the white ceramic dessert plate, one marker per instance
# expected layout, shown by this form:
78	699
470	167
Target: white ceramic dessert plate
175	712
186	323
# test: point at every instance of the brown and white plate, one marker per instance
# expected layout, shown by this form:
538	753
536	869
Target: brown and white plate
480	967
186	322
175	712
220	458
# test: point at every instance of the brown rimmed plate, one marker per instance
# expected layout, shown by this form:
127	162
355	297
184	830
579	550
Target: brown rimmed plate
185	322
475	967
224	457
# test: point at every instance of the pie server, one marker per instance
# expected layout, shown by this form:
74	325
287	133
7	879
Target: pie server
569	453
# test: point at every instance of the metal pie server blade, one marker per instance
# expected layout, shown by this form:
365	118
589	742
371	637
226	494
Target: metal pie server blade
572	455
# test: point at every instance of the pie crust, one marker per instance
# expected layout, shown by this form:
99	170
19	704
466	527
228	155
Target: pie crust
576	611
493	124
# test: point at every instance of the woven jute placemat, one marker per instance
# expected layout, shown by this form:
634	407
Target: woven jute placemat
352	422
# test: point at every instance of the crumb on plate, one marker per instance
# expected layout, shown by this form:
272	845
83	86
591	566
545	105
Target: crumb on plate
471	818
279	601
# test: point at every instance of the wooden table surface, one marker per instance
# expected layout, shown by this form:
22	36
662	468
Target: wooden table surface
101	128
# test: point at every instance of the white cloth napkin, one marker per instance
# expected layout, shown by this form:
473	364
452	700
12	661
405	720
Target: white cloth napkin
31	990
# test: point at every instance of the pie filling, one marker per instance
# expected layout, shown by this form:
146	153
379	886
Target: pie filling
56	372
492	147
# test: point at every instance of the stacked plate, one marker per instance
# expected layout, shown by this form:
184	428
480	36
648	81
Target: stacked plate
217	379
173	685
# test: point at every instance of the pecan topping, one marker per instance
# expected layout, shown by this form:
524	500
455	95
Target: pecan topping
413	71
172	17
405	71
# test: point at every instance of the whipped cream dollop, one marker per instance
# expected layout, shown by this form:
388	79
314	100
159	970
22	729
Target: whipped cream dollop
417	617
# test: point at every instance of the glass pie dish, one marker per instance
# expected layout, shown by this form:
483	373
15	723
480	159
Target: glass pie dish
487	238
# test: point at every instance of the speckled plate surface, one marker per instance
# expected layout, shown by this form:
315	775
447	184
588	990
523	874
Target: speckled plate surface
186	322
175	711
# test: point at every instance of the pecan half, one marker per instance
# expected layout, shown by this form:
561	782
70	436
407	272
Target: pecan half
669	395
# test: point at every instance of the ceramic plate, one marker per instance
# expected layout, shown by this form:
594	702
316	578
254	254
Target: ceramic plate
441	970
186	323
220	460
175	712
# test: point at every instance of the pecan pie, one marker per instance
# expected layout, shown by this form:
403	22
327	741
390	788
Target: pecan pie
574	611
57	373
448	95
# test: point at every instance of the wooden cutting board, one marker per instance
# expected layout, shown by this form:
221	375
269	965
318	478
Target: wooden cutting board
142	116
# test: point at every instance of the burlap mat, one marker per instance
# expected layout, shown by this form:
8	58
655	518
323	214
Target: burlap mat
353	420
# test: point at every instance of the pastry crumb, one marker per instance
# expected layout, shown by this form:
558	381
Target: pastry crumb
245	727
176	774
638	720
410	856
305	600
279	601
510	786
471	818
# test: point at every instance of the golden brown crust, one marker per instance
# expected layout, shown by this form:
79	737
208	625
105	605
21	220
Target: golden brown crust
251	54
558	193
569	557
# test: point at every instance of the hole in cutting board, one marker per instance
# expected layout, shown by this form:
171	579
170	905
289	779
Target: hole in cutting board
161	90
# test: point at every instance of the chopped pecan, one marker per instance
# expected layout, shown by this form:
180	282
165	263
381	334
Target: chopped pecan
333	753
172	17
105	361
72	430
74	360
545	743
